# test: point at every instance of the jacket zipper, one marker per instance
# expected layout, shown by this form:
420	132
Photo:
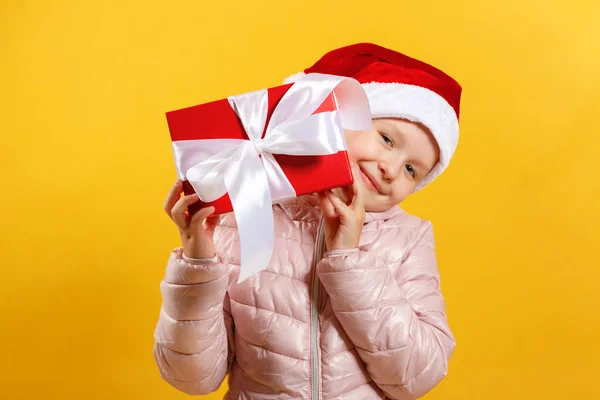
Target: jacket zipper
314	314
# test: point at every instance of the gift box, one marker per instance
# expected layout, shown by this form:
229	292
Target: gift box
246	152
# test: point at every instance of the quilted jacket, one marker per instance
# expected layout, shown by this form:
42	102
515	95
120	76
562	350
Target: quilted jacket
365	323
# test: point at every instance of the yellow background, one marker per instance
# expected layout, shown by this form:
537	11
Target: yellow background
86	163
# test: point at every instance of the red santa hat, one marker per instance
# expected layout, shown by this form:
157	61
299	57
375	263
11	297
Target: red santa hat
399	86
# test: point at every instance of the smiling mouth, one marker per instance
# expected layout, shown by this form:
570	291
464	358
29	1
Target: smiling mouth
368	182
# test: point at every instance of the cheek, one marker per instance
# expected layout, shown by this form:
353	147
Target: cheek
401	190
353	153
362	150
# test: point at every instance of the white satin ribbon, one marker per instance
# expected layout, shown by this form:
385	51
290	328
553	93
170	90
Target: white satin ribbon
247	170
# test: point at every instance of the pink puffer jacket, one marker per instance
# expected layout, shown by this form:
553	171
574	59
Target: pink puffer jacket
367	323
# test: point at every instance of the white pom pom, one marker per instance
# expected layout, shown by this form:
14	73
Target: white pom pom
293	78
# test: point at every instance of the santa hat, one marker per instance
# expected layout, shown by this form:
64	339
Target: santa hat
399	86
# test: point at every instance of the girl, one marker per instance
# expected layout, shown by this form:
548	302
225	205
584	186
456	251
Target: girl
350	305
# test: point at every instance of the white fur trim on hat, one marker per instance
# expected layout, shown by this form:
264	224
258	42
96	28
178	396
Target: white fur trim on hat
418	104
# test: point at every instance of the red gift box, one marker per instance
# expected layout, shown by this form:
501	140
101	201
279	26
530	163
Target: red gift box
217	120
246	152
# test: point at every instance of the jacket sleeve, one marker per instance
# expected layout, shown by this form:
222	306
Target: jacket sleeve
194	334
397	323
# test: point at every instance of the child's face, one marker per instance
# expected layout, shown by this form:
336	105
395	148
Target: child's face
392	158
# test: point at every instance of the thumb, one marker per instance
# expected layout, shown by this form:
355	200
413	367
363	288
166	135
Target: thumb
210	224
200	216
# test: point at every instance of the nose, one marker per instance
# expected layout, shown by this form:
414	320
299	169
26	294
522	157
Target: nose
390	169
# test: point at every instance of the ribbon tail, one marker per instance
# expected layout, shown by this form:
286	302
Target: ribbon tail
248	190
280	187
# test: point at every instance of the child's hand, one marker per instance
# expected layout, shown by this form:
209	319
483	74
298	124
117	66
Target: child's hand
197	231
343	222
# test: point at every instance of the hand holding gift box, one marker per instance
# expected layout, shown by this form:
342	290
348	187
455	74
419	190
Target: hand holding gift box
250	151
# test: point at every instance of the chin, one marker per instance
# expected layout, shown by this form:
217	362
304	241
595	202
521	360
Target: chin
377	207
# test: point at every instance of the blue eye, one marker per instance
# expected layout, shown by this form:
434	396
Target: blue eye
387	139
411	170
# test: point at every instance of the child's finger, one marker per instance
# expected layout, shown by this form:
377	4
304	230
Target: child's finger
201	215
211	222
326	205
172	197
358	191
340	206
348	193
358	197
178	211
